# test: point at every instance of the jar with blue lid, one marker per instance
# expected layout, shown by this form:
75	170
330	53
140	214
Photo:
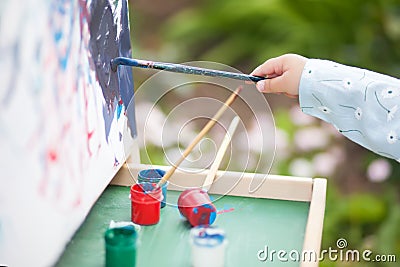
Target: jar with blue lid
208	245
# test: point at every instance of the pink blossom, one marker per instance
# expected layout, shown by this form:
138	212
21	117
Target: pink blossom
379	170
325	163
299	118
311	138
301	167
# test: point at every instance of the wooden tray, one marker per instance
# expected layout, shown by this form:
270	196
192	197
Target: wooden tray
283	214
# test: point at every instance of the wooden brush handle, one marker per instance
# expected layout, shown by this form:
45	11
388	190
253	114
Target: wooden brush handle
220	154
200	135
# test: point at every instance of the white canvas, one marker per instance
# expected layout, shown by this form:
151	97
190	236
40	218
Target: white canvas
62	138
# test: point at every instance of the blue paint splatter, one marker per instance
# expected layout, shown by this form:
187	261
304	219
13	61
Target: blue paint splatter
64	62
57	36
116	162
213	216
115	85
119	109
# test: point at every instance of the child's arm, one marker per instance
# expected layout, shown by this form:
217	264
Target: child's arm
361	104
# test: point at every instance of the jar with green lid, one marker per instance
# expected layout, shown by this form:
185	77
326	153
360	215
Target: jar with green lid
121	246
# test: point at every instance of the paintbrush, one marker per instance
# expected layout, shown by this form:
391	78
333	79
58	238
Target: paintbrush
200	135
220	154
195	204
181	69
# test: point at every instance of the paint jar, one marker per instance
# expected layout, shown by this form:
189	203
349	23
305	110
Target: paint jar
154	176
145	203
195	205
121	246
208	245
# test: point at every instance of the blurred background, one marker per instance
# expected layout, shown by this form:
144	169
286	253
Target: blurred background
363	203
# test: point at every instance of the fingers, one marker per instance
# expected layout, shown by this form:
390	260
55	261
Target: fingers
271	68
276	85
284	73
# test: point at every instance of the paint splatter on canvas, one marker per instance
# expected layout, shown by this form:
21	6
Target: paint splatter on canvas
66	120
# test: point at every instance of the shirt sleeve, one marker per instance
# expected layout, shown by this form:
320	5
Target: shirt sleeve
361	104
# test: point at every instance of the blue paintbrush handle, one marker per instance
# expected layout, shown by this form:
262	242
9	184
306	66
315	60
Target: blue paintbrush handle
181	69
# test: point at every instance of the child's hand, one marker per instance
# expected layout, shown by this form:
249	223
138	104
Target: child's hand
285	72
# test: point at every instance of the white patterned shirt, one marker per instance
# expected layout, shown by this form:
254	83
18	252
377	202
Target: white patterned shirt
361	104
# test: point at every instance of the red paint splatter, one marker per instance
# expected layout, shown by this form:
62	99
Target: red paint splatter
52	156
225	210
77	202
89	135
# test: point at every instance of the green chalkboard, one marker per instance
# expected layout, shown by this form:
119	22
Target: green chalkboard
250	225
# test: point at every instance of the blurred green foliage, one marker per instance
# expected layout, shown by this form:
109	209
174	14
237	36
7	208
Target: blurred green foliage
364	33
359	32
